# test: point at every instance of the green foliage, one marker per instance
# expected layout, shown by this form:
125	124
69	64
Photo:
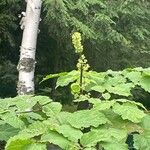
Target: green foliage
110	118
110	121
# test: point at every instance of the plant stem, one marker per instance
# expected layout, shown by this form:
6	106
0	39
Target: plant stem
81	79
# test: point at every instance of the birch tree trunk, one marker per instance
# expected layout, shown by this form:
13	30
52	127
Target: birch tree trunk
26	65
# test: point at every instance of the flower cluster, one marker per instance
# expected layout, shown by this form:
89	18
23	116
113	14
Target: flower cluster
76	40
82	61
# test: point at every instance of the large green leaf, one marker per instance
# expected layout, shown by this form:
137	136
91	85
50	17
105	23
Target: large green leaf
35	146
118	123
131	102
115	145
90	148
142	142
42	100
18	100
120	89
103	135
23	103
129	111
24	144
102	105
115	80
12	119
133	76
68	78
63	117
87	118
50	76
57	139
70	132
35	129
52	109
17	144
146	122
145	83
95	77
97	88
7	131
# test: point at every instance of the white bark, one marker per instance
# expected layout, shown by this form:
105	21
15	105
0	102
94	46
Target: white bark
26	65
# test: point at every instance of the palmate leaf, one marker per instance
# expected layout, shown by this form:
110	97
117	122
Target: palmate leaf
23	102
129	111
52	109
23	139
89	148
63	117
50	76
35	146
132	102
115	80
12	119
42	100
145	83
102	105
57	139
115	146
133	76
103	135
7	102
7	131
16	143
35	129
87	118
95	77
146	122
97	88
120	89
142	141
68	78
119	123
69	132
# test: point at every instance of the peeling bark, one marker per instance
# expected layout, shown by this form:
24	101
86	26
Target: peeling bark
26	65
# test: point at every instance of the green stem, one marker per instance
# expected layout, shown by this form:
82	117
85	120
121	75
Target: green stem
81	79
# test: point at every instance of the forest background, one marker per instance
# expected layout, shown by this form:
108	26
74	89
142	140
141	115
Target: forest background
116	35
